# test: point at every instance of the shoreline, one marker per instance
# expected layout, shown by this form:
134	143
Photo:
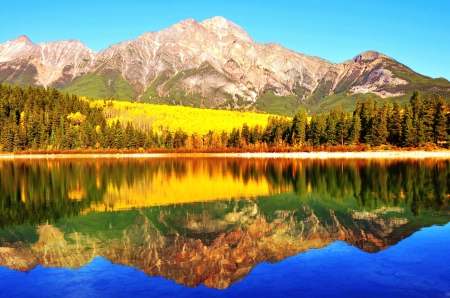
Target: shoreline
290	155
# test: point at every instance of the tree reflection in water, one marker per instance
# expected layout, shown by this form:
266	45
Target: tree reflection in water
210	220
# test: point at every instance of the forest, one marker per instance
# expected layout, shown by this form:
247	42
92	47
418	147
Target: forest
34	120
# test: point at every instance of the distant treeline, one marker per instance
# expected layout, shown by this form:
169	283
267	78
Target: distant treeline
33	118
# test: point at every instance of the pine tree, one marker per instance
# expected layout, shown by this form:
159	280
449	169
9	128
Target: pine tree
313	131
7	138
245	135
427	118
366	114
255	135
395	125
418	112
233	141
224	138
130	136
317	130
118	136
355	130
330	130
179	139
299	127
342	127
439	120
379	125
168	140
409	133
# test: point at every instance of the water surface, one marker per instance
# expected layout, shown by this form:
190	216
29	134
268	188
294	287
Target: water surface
224	227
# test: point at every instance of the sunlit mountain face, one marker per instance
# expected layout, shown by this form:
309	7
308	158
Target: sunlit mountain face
212	64
210	221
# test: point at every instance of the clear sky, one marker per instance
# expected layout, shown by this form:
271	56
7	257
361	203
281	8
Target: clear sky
415	33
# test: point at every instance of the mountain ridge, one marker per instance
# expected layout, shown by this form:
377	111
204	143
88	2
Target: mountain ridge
213	63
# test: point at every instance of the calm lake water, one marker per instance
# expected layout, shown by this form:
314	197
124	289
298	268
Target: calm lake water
224	227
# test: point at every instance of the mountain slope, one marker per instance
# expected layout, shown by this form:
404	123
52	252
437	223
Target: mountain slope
214	63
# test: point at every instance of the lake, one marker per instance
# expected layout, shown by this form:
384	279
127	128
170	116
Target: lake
224	227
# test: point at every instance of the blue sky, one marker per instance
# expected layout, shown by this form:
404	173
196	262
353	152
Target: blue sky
416	33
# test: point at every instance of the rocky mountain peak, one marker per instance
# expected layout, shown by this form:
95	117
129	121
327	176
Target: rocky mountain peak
213	63
15	48
223	27
22	39
368	56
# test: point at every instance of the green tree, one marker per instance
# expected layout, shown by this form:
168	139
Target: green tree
395	125
440	133
168	140
246	134
331	126
418	111
355	130
179	139
342	126
256	134
299	128
118	136
379	129
366	114
7	138
130	136
233	141
317	130
427	118
409	133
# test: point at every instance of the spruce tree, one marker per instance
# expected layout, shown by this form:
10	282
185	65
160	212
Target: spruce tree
342	127
179	139
439	126
168	140
379	125
332	126
118	136
298	130
409	133
233	141
427	118
313	131
245	135
355	130
366	113
395	125
417	108
130	136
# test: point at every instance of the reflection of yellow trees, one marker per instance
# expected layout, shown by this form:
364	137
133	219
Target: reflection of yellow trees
39	190
191	181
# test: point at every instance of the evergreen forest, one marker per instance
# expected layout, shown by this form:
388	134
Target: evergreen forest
34	119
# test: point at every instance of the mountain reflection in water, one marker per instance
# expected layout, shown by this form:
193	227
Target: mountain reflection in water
210	220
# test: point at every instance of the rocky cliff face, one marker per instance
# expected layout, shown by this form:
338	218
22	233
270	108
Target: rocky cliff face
211	63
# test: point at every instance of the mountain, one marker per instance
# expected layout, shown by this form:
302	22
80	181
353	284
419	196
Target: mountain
214	63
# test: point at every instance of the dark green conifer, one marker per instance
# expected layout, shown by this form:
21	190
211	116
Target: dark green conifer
395	125
439	126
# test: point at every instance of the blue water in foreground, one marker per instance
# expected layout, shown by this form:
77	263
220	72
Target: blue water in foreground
418	266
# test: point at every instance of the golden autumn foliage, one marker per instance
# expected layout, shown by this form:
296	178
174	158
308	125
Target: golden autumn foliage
173	118
76	118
